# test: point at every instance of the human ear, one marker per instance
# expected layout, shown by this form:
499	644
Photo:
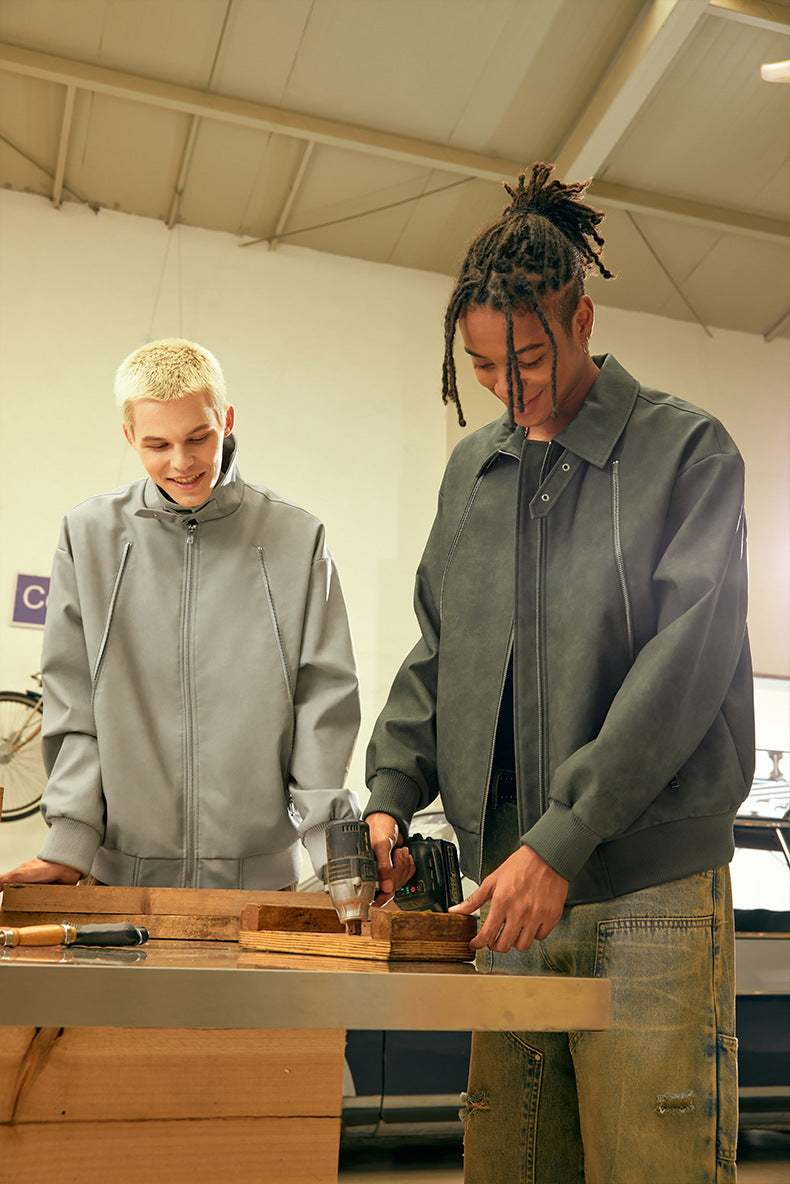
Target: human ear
584	318
230	419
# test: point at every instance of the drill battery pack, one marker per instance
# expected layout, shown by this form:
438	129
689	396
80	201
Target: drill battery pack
436	883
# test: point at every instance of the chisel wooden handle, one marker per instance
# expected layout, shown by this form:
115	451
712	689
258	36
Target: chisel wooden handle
38	935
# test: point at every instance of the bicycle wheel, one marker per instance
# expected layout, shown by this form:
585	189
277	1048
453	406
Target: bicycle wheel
22	773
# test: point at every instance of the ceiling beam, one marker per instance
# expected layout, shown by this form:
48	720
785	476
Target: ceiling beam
183	170
773	17
707	217
47	172
295	186
366	213
647	53
191	140
63	146
778	327
257	116
675	283
310	128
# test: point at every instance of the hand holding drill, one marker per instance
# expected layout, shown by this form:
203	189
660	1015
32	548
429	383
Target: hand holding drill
427	878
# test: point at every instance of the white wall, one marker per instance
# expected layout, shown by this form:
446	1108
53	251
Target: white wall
334	366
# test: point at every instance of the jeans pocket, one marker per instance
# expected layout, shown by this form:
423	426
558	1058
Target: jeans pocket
653	1087
501	1109
727	1117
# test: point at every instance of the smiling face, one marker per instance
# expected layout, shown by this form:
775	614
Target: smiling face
484	333
180	445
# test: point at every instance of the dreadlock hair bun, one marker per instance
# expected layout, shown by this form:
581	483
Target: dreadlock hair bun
534	258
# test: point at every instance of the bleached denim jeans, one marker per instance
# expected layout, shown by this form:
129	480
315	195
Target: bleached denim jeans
654	1100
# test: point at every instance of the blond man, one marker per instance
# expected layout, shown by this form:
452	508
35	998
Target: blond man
200	688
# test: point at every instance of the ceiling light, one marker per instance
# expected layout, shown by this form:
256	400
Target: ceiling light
776	71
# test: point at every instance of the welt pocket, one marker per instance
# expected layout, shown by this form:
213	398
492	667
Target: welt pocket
108	620
269	592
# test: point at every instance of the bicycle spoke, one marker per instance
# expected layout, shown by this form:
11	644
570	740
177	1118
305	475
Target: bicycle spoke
22	773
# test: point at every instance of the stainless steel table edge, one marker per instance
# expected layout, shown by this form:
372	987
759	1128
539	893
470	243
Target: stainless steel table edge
42	994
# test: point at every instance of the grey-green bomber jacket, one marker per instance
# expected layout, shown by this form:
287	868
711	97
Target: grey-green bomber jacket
200	689
642	743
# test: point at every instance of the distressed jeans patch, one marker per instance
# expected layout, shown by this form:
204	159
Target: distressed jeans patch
675	1103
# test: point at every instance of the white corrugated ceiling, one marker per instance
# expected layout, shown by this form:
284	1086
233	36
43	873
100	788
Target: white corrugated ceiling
381	128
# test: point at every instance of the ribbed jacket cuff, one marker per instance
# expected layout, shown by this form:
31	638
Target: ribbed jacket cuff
392	792
562	840
72	843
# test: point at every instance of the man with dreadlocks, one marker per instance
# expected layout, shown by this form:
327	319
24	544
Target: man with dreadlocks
581	698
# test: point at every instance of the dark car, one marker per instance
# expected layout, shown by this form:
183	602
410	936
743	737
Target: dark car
407	1085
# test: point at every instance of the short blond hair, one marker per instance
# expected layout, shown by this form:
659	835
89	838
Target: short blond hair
166	370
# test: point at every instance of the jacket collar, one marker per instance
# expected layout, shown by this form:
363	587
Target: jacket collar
226	496
502	440
601	419
597	426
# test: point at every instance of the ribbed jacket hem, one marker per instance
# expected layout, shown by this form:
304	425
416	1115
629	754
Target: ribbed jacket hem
660	854
72	843
269	871
640	859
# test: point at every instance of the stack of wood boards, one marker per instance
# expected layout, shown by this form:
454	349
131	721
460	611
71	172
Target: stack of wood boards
145	1105
277	922
174	914
279	927
170	1106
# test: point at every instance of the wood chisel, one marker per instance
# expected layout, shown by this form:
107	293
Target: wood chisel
118	934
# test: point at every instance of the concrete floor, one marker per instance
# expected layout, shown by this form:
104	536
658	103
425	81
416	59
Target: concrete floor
763	1158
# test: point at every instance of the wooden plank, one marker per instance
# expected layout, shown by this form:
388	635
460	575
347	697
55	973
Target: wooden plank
291	918
189	902
14	1045
345	945
389	935
203	1151
386	924
76	1075
382	925
171	928
175	914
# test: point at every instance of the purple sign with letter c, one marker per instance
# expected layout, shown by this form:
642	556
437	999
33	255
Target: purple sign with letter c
30	602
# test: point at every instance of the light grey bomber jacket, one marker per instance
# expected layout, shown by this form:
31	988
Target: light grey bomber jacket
200	689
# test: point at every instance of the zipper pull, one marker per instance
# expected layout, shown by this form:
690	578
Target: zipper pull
191	528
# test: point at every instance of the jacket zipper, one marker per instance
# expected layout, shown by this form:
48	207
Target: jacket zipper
491	758
540	661
540	651
190	810
620	562
108	624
